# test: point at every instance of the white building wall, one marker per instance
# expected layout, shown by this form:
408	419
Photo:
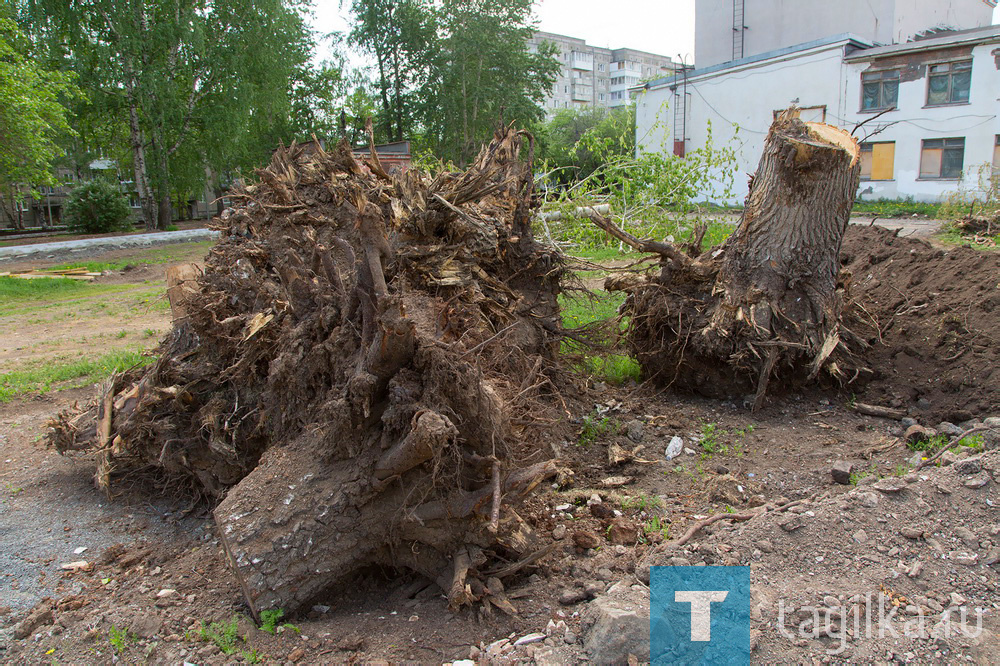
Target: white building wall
746	97
740	104
776	24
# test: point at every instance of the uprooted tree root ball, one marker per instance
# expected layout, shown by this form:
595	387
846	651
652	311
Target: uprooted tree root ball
351	376
767	303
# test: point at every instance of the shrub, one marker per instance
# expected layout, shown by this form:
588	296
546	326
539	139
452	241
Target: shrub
97	206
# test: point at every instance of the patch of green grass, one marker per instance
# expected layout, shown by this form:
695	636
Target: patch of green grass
225	635
858	475
897	208
950	235
41	379
269	621
119	638
714	439
641	503
657	525
19	296
578	312
593	427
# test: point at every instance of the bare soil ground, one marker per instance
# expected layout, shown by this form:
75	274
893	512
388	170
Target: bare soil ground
157	575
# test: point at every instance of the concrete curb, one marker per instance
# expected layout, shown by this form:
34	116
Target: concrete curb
97	245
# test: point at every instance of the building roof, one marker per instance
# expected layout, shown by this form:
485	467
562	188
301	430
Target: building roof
847	39
985	35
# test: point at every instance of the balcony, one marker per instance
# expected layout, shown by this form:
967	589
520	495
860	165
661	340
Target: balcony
582	93
582	61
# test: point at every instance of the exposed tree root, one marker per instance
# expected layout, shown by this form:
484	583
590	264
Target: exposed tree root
342	374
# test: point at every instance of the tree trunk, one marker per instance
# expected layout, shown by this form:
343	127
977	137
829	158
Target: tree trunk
137	142
768	303
164	213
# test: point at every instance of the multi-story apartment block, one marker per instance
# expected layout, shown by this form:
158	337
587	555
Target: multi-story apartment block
595	76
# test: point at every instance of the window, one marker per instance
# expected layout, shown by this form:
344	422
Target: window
600	67
879	90
948	83
601	97
877	160
942	158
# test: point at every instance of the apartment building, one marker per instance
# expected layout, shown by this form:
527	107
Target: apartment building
597	77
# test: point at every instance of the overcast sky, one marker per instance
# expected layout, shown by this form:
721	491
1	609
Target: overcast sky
665	27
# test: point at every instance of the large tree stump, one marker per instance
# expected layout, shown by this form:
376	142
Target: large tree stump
767	302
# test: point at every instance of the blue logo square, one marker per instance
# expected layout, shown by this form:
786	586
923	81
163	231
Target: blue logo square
700	615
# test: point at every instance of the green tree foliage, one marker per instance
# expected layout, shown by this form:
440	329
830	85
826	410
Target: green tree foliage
484	72
199	82
446	72
576	142
97	206
33	117
401	36
651	194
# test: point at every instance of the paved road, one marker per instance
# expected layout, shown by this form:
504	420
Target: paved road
89	246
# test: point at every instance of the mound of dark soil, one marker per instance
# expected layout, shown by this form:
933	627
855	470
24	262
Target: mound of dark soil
934	317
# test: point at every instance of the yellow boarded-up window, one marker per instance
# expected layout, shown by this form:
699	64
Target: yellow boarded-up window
877	160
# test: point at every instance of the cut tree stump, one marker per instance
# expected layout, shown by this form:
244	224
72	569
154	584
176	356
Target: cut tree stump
767	303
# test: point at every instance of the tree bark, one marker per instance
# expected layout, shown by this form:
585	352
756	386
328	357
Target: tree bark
767	302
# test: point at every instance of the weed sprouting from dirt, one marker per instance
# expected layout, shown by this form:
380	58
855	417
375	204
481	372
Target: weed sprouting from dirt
594	425
227	638
119	639
269	621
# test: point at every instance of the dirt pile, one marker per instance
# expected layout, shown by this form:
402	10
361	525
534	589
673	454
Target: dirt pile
353	372
933	317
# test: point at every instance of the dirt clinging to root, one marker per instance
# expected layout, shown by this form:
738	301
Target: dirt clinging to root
936	346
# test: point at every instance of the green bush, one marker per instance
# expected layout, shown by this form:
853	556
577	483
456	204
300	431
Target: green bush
97	207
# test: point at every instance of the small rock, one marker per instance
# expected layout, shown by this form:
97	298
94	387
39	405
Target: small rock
841	472
530	638
38	618
564	508
765	546
618	628
571	596
867	500
559	532
584	539
923	404
993	557
911	532
860	536
917	433
908	421
321	608
969	466
965	559
678	562
947	458
295	656
623	532
635	430
949	429
956	599
967	535
594	499
605	575
889	485
916	570
166	593
978	481
992	422
795	522
592	589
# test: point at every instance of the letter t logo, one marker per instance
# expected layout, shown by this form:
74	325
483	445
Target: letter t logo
701	611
